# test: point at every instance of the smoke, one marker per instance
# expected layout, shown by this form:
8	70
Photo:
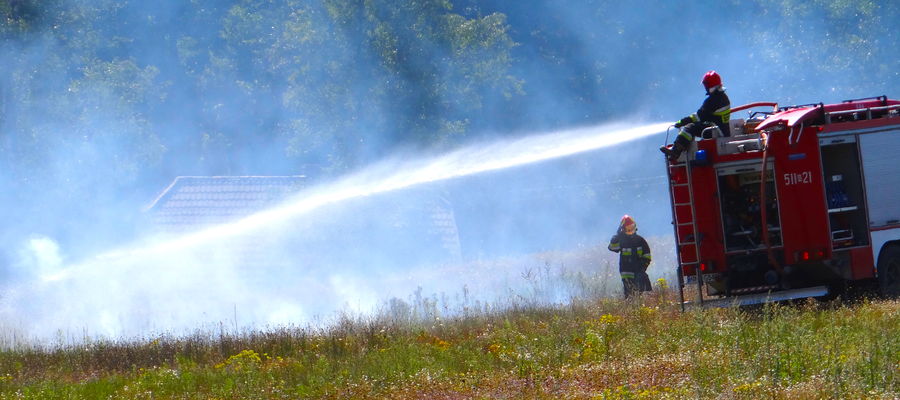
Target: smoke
335	247
596	59
39	256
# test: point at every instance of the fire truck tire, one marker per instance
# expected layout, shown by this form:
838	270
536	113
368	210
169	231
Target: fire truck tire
889	271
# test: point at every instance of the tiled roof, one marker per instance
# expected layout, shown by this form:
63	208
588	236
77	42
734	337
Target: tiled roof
424	218
195	201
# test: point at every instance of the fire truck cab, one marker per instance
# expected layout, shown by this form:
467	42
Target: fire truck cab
793	202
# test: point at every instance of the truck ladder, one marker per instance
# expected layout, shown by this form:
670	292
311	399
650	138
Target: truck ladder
681	196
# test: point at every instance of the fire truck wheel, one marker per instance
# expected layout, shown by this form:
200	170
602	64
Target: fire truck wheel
889	271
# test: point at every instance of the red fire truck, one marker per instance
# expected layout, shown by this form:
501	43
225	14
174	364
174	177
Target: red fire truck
793	202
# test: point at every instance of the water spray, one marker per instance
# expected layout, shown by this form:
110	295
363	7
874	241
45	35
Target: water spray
181	271
390	176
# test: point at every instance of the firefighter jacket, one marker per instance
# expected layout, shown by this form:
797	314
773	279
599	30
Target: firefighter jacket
634	253
716	109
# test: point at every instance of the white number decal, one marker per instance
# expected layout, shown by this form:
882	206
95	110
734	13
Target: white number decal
796	178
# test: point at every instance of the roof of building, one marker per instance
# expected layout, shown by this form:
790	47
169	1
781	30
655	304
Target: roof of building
194	201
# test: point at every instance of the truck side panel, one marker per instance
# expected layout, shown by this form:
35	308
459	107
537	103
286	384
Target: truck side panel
880	150
880	153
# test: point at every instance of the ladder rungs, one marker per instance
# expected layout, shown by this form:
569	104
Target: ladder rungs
672	170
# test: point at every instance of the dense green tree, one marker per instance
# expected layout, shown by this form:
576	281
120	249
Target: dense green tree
338	83
813	48
113	98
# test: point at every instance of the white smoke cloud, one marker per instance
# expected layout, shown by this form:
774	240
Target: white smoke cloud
39	256
180	284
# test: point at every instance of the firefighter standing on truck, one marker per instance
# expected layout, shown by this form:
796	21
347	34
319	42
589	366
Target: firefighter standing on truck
715	111
634	257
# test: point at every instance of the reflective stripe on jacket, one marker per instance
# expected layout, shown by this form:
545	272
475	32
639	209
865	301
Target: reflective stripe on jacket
716	109
634	253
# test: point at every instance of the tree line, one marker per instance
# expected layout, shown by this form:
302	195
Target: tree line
105	101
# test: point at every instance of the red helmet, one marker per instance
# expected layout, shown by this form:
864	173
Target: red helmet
711	79
627	221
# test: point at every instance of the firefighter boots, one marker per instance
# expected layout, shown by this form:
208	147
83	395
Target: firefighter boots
673	153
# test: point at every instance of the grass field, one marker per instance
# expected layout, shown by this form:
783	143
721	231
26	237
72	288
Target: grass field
598	349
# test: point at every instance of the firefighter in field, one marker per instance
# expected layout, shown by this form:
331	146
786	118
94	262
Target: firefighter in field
715	111
634	257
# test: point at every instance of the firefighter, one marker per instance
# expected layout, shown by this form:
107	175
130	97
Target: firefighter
715	111
634	257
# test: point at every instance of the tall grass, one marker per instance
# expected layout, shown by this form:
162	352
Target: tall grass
528	345
645	348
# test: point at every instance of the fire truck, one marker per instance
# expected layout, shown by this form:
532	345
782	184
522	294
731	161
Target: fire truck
794	202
